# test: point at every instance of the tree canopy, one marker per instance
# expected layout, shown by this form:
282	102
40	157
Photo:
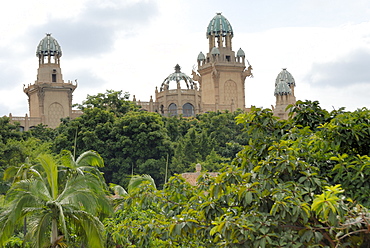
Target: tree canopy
302	182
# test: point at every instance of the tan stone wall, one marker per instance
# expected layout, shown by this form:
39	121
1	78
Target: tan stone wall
34	105
45	71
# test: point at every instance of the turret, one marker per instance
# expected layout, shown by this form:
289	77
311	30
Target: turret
284	93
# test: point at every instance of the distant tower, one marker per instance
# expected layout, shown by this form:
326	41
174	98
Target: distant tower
222	74
49	98
284	93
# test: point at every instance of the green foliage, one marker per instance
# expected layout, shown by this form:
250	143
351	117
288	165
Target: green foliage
288	187
56	202
192	148
222	128
350	131
308	114
42	133
8	130
136	142
213	133
111	101
136	138
301	182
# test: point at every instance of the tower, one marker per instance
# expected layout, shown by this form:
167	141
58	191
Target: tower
222	74
284	93
49	98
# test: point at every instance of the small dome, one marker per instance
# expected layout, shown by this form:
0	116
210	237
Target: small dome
177	77
219	26
285	76
240	53
282	88
201	57
48	46
215	51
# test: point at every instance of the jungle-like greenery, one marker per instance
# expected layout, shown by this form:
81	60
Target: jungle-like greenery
109	178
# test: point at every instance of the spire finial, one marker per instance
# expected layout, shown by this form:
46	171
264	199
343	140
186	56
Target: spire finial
177	68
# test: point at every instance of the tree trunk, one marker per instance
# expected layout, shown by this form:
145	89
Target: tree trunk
25	226
54	233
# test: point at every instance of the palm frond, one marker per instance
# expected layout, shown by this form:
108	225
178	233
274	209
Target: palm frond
63	221
136	180
39	231
51	169
67	159
84	191
92	230
117	189
12	215
90	158
10	173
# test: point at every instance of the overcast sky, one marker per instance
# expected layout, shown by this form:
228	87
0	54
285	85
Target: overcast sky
133	45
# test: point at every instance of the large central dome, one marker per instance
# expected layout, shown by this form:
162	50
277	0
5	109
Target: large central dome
48	46
219	26
177	77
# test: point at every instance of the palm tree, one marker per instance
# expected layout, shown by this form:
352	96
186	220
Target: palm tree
137	180
15	174
55	207
87	163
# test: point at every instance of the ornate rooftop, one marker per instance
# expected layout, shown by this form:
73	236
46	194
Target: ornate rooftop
48	46
219	26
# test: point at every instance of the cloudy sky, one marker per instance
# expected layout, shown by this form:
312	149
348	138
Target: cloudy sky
132	45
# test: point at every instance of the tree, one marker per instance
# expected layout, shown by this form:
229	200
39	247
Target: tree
192	148
9	130
288	187
137	139
308	113
111	101
42	132
222	128
136	142
56	206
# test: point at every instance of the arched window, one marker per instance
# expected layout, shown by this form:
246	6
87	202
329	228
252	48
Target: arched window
172	109
187	110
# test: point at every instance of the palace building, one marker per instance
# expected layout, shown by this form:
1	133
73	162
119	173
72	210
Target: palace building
218	84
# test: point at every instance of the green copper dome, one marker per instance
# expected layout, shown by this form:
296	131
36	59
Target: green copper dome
48	46
285	76
283	82
282	88
219	26
201	57
177	77
240	53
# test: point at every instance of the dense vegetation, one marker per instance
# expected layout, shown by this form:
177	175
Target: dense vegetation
302	182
